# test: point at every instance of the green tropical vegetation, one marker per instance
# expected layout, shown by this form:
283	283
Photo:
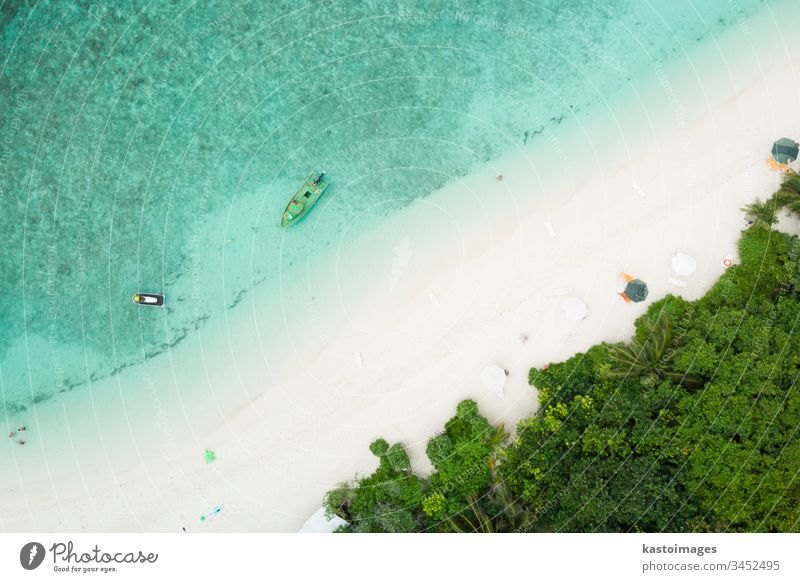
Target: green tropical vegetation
692	425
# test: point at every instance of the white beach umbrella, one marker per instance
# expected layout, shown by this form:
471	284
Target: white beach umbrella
574	309
320	523
683	264
494	378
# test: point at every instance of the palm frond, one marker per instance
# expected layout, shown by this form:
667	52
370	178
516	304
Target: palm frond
659	338
651	357
788	196
764	213
689	381
794	205
625	362
792	182
643	358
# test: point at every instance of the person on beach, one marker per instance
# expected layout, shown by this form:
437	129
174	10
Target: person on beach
623	294
14	432
775	166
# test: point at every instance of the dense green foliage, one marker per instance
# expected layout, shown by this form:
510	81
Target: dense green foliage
644	449
386	501
692	426
460	494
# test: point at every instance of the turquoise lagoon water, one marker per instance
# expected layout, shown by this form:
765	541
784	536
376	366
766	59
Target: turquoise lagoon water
153	145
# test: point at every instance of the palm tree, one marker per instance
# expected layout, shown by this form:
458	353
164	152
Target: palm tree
513	515
472	519
764	213
792	181
496	439
650	358
789	194
497	511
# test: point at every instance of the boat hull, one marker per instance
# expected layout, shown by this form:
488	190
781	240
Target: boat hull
304	199
149	299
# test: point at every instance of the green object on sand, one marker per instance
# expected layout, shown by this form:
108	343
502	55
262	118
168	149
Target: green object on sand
785	150
216	511
306	197
211	456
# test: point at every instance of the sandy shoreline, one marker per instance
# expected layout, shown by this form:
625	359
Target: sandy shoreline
422	346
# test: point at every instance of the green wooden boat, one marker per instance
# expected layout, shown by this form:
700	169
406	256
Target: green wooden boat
306	197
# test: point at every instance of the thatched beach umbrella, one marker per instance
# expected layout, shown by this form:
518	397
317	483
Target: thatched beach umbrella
636	290
785	150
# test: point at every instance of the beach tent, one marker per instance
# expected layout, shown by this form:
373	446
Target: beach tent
636	290
785	150
494	378
683	264
574	309
319	523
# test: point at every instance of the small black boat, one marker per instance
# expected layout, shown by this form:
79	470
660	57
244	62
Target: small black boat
153	299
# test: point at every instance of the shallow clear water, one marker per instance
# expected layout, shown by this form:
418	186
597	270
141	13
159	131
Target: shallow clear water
153	146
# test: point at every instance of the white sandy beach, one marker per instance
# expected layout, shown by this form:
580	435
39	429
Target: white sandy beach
422	346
